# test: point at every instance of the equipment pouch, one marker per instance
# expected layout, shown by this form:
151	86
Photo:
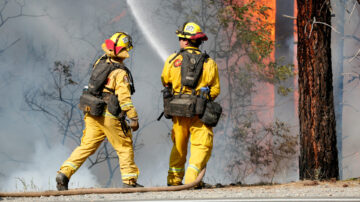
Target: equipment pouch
182	105
212	114
167	111
113	105
200	106
91	104
167	97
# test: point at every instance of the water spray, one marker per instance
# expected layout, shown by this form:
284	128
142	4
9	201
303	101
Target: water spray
146	30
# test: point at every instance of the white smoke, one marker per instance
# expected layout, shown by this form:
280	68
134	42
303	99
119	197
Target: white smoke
40	171
30	153
346	83
30	150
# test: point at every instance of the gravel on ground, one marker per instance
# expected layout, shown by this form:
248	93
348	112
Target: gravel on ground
301	189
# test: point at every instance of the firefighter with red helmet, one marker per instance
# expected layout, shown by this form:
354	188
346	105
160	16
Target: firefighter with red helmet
108	125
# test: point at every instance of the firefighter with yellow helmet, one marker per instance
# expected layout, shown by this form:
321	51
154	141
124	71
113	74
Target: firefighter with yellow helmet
190	78
106	105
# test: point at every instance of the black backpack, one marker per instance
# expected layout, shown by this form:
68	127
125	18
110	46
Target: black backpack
99	76
93	100
191	68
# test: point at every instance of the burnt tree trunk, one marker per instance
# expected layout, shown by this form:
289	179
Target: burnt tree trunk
318	152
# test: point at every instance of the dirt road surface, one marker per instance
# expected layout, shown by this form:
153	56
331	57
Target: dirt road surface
348	190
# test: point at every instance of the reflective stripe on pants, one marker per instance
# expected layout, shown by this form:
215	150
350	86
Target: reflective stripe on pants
96	130
201	143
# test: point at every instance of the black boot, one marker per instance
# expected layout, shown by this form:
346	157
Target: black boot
203	185
175	184
62	182
132	184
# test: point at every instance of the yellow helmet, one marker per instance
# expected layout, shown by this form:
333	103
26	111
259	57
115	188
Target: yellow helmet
191	30
118	41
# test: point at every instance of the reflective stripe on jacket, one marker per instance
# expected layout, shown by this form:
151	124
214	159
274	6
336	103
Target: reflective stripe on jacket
119	81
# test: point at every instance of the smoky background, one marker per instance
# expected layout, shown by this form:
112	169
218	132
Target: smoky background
31	146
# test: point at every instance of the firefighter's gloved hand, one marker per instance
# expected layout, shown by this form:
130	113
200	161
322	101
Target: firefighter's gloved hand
134	124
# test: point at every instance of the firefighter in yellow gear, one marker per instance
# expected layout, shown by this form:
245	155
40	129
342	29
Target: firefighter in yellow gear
185	128
97	128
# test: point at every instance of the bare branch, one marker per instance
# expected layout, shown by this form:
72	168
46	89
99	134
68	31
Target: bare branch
12	44
323	23
10	158
353	37
357	53
20	14
352	10
328	26
288	16
351	106
352	73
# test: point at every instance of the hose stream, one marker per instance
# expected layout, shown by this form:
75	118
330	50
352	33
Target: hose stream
104	190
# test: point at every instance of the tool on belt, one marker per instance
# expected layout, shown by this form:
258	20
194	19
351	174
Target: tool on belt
189	105
93	99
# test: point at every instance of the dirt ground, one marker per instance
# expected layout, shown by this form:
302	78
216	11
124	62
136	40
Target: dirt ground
302	189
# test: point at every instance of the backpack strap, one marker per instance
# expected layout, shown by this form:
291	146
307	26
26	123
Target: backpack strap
177	54
104	57
109	89
128	72
182	50
131	80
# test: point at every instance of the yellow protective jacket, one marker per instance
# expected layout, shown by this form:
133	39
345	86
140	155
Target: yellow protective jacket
171	74
118	80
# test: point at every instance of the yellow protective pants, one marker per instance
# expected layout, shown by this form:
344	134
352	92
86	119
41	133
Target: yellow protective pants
201	141
96	129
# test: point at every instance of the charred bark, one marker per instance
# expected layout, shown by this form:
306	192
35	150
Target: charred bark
318	152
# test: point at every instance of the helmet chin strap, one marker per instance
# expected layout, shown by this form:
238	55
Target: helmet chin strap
116	42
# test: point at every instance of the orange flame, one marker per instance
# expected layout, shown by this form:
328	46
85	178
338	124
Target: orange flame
265	91
296	70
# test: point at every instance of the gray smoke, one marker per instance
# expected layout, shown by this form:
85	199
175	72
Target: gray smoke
31	150
30	145
345	44
64	31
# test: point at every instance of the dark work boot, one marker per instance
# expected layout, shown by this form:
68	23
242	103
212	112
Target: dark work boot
178	184
62	182
203	185
132	184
